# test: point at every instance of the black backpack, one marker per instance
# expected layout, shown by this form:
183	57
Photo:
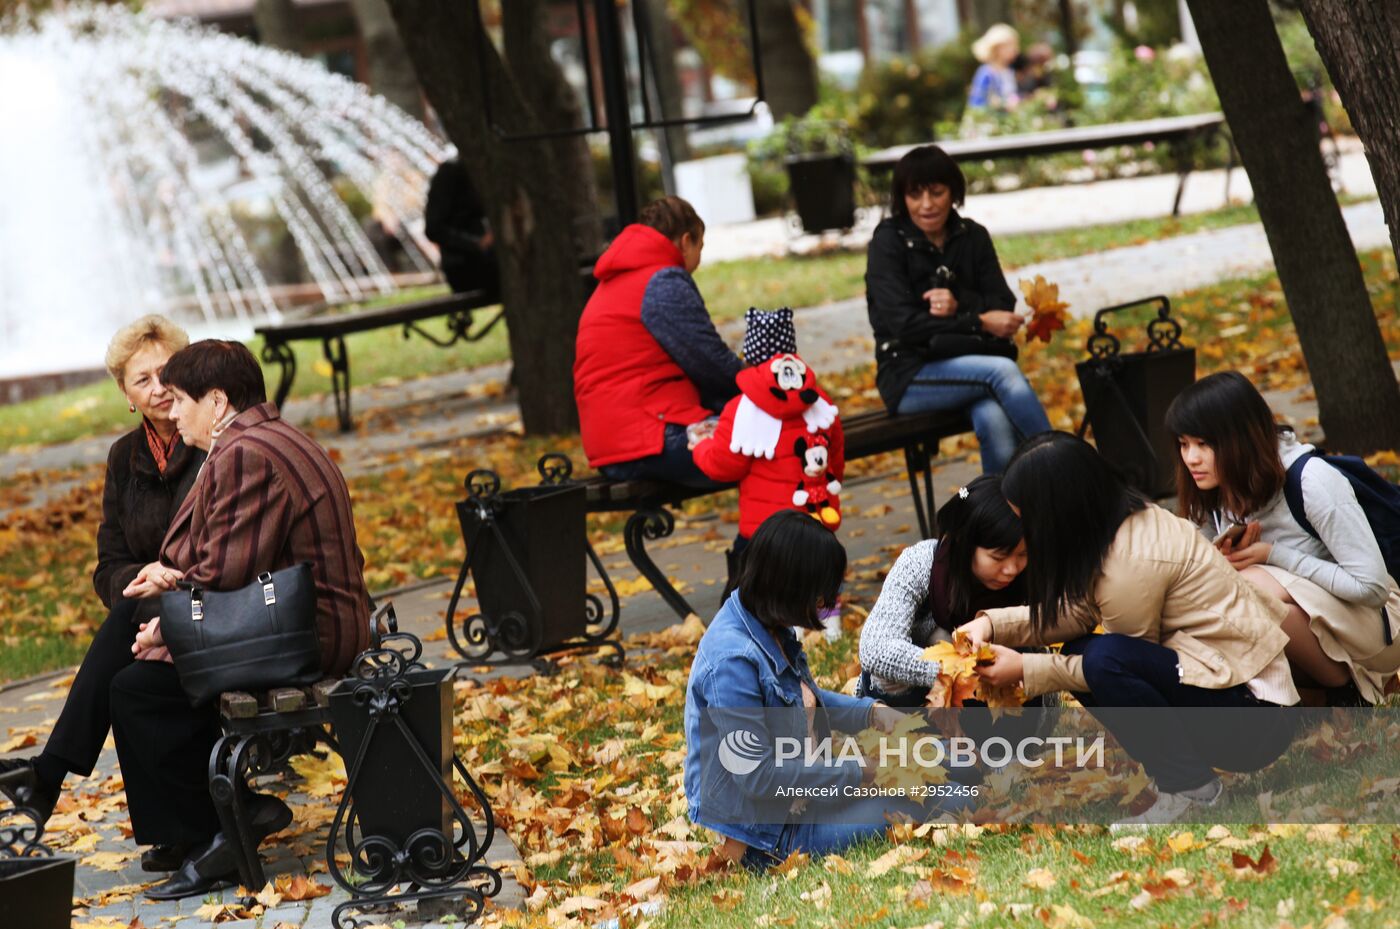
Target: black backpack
1379	499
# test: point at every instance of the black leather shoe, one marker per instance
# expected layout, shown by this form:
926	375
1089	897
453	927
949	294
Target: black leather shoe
20	782
267	814
163	858
212	866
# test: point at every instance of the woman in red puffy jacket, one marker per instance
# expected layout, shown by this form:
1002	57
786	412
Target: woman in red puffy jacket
649	362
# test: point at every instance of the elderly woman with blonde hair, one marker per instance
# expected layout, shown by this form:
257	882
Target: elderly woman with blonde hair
149	473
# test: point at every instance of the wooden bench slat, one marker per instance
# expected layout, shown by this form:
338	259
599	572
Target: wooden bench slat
286	699
321	691
235	704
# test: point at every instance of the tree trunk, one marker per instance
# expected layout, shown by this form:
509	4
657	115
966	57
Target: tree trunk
523	184
277	25
1358	40
667	86
555	105
1357	395
391	74
789	74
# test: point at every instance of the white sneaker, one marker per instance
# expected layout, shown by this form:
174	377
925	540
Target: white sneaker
1170	807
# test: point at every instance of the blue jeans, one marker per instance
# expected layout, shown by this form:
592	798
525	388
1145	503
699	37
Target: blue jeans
1004	409
674	464
1178	751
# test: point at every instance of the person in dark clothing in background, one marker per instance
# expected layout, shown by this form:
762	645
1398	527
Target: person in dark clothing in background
455	219
943	314
649	362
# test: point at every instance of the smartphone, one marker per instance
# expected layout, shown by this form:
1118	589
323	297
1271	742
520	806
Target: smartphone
1231	533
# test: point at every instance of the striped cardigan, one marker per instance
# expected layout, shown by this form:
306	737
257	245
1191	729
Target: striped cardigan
268	498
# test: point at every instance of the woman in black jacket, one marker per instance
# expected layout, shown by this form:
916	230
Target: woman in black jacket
943	313
149	472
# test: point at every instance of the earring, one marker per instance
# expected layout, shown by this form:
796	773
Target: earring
131	407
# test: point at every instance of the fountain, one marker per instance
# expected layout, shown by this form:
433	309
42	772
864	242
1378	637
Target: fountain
157	166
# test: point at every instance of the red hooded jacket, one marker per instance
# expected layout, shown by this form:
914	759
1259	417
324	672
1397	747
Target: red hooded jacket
768	485
625	384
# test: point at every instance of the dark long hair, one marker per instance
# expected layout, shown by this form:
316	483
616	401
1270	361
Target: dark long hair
1071	504
980	520
792	568
1228	414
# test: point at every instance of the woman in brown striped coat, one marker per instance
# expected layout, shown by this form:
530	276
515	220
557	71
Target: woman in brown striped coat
267	498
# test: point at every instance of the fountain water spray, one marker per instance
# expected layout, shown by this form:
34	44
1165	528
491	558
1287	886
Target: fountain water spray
156	166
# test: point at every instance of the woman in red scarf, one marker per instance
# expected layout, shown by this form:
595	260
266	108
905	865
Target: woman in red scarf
149	473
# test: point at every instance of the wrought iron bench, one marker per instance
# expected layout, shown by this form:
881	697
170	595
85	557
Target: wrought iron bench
649	503
332	329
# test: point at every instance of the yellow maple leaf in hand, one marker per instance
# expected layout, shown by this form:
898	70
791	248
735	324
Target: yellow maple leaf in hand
1047	309
958	680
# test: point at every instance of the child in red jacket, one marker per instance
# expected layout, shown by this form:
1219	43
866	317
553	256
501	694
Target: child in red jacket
780	439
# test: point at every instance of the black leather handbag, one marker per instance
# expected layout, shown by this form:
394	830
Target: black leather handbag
259	636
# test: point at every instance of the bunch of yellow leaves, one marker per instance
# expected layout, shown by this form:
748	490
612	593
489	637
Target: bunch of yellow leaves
958	680
1047	309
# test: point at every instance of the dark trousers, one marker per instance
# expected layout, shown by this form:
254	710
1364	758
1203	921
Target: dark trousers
82	726
674	463
163	745
1178	750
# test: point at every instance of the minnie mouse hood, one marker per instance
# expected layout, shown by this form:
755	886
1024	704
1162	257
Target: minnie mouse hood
783	387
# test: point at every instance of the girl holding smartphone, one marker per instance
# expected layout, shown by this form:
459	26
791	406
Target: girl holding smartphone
1343	619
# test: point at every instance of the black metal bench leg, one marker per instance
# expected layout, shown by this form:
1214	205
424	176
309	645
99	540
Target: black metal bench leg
339	358
228	768
282	354
650	525
916	459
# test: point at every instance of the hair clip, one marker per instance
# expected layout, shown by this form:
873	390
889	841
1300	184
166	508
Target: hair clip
962	493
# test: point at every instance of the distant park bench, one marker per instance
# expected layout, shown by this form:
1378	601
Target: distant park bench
332	330
1175	131
866	434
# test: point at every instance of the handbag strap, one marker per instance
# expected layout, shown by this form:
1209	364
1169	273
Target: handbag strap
270	598
197	614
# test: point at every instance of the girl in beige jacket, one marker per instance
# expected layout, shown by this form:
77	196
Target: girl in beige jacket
1181	628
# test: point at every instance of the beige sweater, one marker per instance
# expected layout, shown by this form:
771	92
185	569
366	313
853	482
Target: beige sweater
1162	581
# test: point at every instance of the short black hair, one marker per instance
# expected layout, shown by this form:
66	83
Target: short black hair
203	366
1072	503
792	569
923	167
982	519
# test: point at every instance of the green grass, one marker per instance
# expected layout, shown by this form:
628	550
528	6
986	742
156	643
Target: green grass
729	287
1302	891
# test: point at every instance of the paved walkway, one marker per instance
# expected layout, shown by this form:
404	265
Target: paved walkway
1039	209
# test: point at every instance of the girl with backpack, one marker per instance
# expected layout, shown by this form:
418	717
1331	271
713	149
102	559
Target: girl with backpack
1317	553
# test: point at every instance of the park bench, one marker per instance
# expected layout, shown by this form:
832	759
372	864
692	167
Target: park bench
866	434
1179	132
331	330
262	731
